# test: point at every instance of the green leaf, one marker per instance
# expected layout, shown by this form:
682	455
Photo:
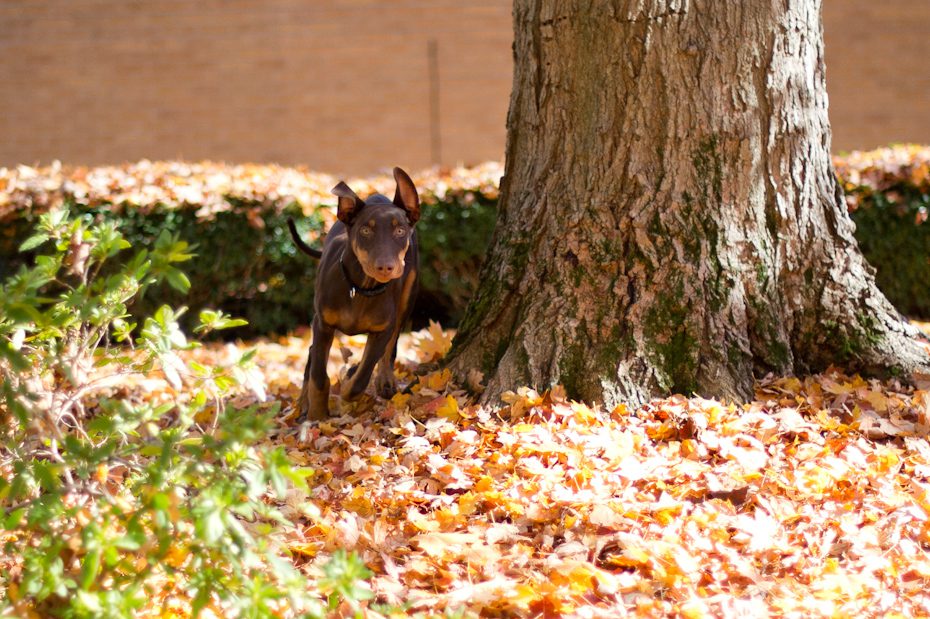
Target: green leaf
213	527
215	320
16	360
178	280
46	474
133	540
33	241
90	568
248	355
14	518
89	602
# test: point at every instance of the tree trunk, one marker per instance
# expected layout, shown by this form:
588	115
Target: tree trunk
669	217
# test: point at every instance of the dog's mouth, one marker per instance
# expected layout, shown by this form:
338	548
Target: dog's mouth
381	277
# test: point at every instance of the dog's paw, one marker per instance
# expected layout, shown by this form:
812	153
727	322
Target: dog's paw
359	405
385	386
312	405
303	407
352	390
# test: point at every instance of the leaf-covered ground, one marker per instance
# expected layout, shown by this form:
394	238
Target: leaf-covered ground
812	500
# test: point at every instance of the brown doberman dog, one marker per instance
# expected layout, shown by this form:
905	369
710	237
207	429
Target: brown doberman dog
366	283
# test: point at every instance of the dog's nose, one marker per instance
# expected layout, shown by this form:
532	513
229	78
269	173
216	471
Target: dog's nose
384	268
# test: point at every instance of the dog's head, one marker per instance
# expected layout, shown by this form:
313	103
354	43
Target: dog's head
380	229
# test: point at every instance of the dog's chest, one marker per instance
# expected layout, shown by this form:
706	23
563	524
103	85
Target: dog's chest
359	315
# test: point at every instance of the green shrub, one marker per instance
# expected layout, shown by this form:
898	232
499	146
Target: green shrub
896	241
110	499
888	193
454	237
249	266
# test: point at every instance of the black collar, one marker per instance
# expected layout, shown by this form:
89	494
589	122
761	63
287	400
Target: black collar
353	289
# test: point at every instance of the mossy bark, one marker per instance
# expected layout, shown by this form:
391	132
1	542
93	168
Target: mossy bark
669	217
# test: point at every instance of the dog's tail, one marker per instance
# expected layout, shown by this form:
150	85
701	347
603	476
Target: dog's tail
299	242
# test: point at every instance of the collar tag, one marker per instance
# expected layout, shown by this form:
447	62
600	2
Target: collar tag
351	292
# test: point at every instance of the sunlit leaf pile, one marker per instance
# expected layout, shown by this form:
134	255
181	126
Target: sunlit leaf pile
146	184
814	499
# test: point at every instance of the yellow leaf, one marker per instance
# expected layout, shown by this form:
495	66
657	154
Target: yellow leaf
435	343
449	409
689	448
443	544
887	459
177	556
468	503
102	472
399	400
582	576
620	410
305	549
635	555
448	519
666	516
694	609
582	413
436	381
831	386
878	401
359	503
423	524
522	596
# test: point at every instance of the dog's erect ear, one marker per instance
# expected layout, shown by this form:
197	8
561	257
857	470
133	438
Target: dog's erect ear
406	195
349	204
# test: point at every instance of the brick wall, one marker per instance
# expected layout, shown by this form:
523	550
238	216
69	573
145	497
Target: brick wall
344	85
878	71
340	85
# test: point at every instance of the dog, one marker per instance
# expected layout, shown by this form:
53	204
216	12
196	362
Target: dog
366	283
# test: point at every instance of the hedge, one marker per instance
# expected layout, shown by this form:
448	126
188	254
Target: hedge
247	265
888	194
236	217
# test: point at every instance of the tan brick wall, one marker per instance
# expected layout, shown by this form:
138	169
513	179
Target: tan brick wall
340	85
343	85
878	71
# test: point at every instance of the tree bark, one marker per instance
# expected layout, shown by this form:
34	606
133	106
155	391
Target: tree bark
669	217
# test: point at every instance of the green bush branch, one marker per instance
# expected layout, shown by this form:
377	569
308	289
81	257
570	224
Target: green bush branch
108	500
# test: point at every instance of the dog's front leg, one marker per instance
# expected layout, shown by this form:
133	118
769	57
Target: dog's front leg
314	395
355	384
385	384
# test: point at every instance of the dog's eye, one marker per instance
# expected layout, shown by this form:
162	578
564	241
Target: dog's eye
365	231
399	232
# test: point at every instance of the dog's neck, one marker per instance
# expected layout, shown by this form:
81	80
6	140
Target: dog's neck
355	275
